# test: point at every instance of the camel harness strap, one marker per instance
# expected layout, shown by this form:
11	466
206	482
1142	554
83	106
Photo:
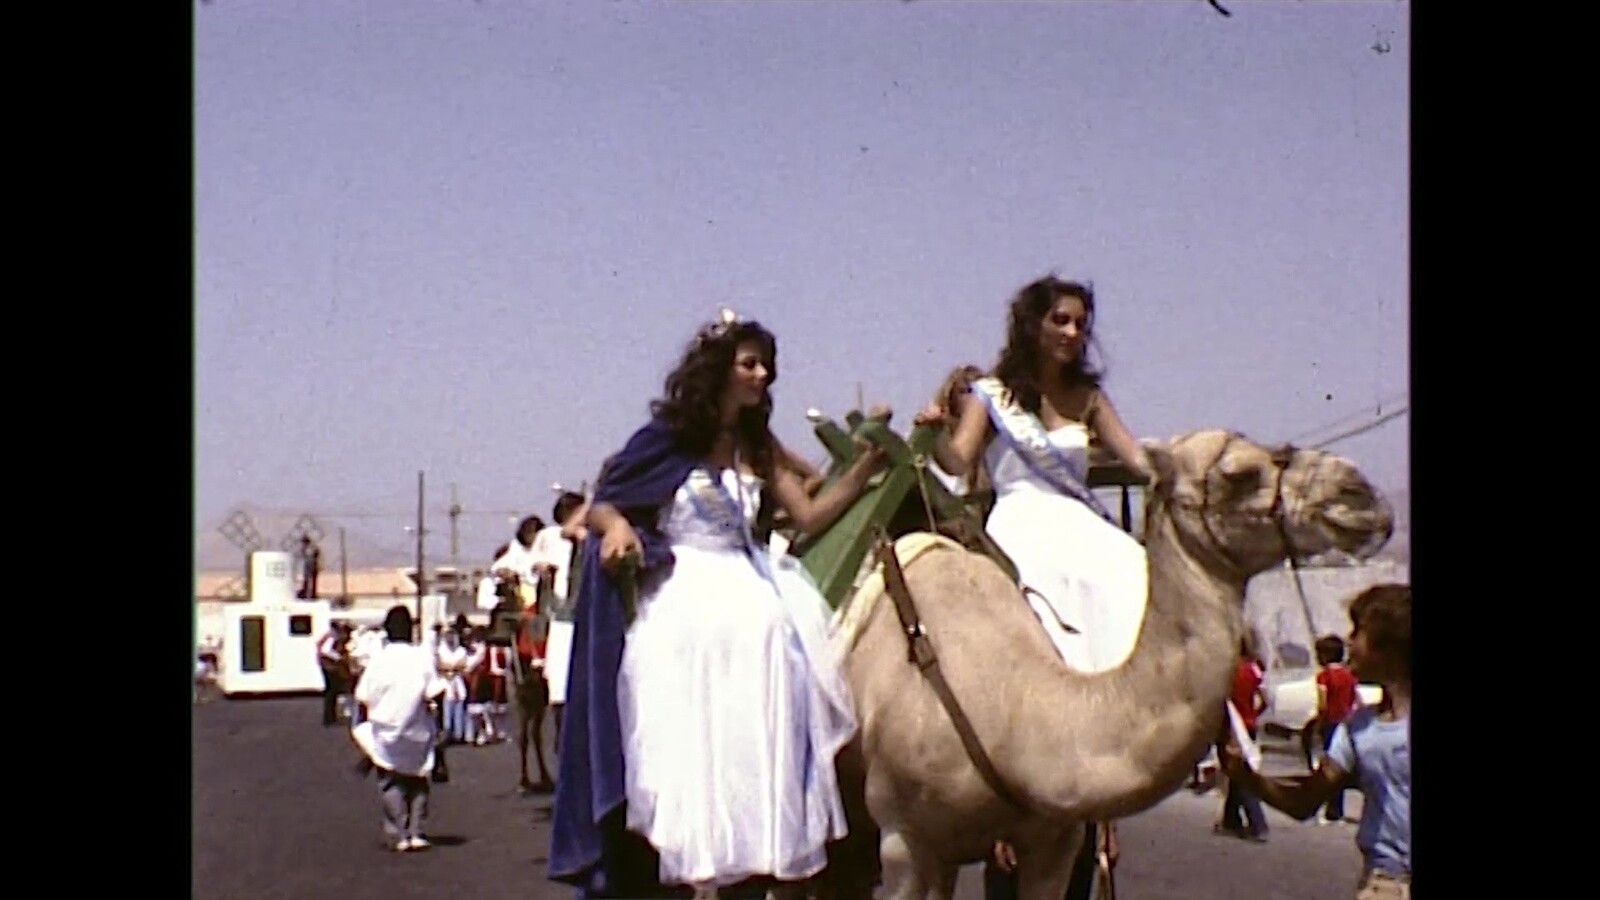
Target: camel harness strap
922	655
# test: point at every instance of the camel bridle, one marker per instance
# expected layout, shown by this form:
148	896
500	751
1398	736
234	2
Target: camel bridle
1206	512
1277	514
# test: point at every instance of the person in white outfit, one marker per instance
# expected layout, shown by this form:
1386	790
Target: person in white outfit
518	563
1031	422
730	704
399	732
553	552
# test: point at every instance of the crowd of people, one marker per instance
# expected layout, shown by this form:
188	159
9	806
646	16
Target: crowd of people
704	712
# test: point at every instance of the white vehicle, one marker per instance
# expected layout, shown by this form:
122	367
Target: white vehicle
1291	705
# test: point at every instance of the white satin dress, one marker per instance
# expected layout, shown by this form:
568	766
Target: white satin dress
733	707
1082	570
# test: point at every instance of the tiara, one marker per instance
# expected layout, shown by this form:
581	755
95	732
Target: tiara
725	322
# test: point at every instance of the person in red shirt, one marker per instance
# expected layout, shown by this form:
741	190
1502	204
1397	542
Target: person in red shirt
1337	698
1249	698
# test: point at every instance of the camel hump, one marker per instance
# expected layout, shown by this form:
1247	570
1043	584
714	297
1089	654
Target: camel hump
853	614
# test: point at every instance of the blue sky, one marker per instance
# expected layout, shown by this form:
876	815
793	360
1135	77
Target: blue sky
471	238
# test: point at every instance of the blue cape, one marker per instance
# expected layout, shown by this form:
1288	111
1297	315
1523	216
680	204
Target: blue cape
589	845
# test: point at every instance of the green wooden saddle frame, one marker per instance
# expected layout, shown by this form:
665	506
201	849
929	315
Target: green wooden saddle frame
901	498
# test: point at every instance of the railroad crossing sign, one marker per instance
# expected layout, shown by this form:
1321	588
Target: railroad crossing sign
305	526
241	532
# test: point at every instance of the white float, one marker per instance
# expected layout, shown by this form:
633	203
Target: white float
269	641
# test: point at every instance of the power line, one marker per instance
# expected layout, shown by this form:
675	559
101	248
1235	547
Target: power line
344	514
1363	429
1348	417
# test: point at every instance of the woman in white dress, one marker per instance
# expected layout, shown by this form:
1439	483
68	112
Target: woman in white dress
1030	421
729	705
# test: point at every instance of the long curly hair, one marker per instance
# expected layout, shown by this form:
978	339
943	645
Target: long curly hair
1018	367
691	402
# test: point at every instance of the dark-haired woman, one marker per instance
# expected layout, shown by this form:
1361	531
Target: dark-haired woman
1030	422
700	738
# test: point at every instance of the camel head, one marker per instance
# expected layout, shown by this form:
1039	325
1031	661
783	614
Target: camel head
1247	507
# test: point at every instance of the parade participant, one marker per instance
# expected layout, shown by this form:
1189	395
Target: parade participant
1338	695
1250	700
555	551
552	549
333	658
482	697
516	564
489	585
399	732
700	738
1370	750
310	566
452	665
1044	401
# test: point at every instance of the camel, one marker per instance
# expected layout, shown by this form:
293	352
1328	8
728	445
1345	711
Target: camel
528	690
530	696
1073	748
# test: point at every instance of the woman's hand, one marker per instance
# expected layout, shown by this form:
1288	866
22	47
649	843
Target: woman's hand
619	543
870	457
932	414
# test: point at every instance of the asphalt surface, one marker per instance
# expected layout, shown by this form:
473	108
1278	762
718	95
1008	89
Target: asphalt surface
279	812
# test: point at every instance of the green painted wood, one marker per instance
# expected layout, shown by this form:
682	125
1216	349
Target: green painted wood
834	557
837	441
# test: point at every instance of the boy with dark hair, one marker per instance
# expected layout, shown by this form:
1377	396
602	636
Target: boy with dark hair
1371	748
1337	697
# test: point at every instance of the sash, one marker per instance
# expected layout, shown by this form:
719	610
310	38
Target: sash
1024	433
713	503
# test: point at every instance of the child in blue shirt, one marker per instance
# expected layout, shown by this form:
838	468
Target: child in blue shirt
1372	749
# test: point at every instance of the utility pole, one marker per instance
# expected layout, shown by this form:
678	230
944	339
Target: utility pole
422	578
861	403
344	570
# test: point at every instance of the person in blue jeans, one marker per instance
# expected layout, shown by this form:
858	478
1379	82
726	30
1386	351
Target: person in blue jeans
1242	815
1370	751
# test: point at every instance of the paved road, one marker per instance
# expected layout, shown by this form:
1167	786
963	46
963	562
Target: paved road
280	813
